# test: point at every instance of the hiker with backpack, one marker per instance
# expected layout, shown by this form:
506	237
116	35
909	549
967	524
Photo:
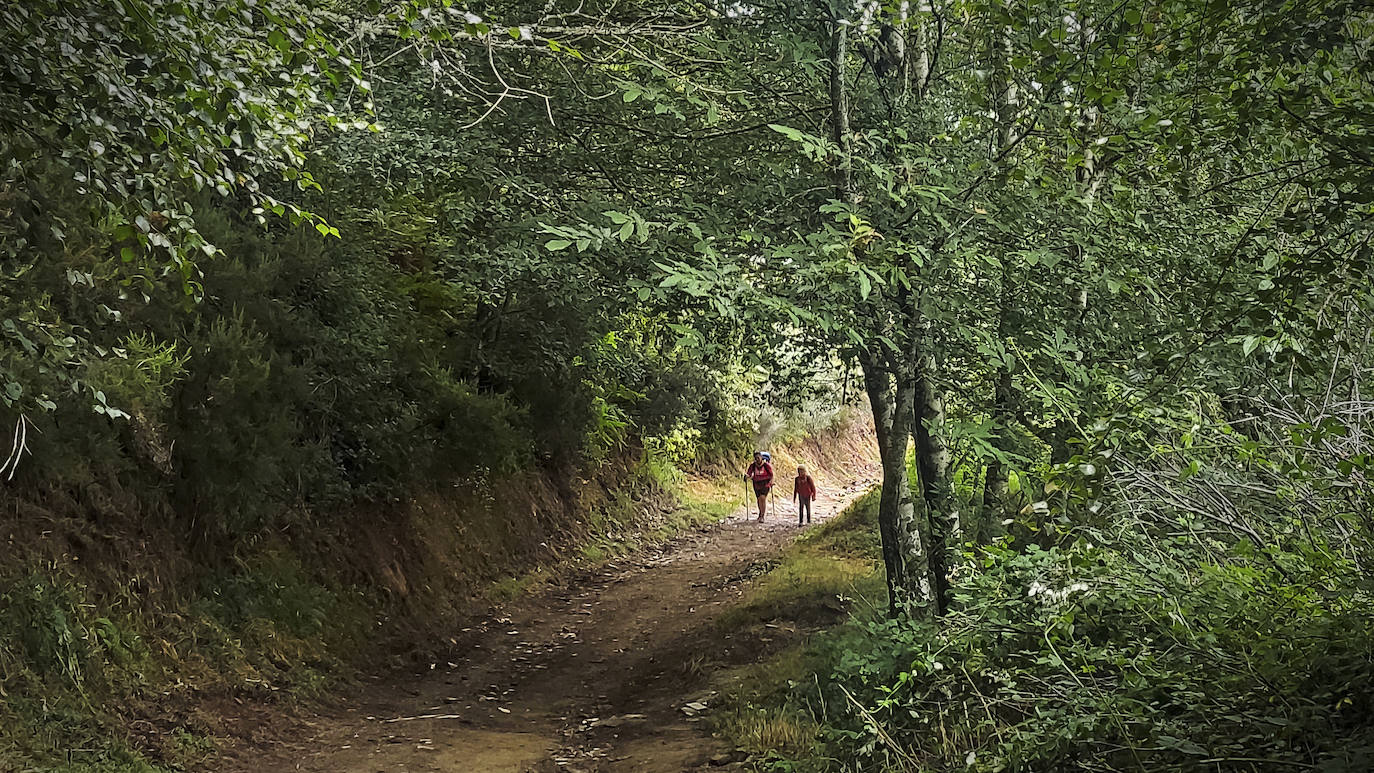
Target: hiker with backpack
760	473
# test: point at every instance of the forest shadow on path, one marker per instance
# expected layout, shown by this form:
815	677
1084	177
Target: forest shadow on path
593	675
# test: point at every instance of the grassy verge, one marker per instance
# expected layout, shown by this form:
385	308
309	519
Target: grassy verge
832	572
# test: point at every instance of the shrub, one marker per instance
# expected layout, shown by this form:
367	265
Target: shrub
1118	658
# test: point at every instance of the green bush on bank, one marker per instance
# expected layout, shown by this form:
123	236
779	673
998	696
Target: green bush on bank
1109	655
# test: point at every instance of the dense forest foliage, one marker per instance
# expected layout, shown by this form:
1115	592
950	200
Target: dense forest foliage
268	279
1100	269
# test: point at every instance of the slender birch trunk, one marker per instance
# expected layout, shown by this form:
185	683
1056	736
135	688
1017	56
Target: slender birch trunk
891	387
899	523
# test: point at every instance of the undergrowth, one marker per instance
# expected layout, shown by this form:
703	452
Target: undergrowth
96	683
1103	654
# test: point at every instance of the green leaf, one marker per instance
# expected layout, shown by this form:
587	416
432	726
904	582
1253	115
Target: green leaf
279	41
786	131
554	245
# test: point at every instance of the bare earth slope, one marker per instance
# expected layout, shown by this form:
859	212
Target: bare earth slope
591	676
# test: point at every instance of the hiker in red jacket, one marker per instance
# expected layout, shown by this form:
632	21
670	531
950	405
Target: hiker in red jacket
761	473
803	491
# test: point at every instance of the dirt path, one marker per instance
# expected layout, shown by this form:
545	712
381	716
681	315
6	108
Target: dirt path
592	676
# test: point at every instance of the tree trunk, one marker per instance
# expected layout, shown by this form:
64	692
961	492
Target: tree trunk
904	554
839	112
918	53
932	461
890	380
1003	412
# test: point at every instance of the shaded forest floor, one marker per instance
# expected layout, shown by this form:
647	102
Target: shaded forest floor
606	671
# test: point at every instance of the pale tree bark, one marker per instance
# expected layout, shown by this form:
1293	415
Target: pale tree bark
903	21
1090	177
891	387
899	524
906	401
996	479
918	53
941	522
941	514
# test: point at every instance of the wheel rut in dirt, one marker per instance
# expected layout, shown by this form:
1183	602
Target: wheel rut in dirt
592	676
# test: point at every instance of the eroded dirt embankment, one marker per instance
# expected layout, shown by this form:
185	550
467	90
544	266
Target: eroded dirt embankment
593	674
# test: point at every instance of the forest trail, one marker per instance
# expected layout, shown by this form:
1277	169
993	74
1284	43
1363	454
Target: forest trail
590	676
